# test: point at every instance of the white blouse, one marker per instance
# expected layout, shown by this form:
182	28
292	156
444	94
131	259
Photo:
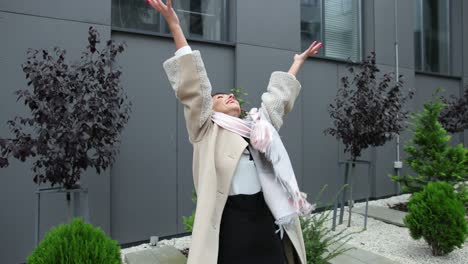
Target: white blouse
245	179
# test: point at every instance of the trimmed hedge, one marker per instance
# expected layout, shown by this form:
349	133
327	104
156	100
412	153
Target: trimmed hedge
437	214
77	242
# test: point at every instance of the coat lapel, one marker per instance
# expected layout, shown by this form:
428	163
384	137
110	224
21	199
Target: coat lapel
232	147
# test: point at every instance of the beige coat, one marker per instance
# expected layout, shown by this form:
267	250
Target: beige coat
216	151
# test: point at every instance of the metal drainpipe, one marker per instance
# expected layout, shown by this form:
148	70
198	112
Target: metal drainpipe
397	164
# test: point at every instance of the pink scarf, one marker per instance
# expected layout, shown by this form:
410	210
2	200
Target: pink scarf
274	169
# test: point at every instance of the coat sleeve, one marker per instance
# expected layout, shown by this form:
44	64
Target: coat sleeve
188	78
282	91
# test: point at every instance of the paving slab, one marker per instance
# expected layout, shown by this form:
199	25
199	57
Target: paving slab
383	214
162	255
360	256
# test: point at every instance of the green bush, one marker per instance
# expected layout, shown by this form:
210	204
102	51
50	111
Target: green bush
438	215
430	155
77	242
188	220
321	244
239	94
462	189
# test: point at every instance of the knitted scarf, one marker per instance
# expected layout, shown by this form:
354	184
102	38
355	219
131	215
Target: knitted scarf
274	169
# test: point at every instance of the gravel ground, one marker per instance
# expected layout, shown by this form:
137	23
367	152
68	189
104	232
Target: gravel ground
395	242
179	243
385	202
380	238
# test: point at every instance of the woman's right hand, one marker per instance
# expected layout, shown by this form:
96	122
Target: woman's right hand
166	11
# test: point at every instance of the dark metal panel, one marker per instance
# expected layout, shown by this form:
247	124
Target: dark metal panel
386	155
465	38
405	33
456	37
368	30
427	85
144	183
18	200
269	23
89	11
320	152
384	18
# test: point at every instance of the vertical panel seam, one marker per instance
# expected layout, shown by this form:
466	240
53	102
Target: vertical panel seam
177	165
302	140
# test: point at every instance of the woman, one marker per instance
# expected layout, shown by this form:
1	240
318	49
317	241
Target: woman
248	200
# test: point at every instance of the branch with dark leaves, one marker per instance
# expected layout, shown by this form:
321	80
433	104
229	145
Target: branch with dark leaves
454	117
368	110
78	112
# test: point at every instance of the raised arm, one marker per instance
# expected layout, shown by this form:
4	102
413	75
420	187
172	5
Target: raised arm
299	59
172	20
187	76
283	88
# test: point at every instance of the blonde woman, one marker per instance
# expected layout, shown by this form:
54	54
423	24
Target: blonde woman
248	200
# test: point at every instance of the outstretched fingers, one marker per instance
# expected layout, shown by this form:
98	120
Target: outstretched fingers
158	5
313	44
314	47
154	5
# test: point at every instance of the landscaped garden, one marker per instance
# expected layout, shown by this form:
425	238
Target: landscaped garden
427	224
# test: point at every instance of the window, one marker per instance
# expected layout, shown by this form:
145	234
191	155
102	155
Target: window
432	36
202	19
337	23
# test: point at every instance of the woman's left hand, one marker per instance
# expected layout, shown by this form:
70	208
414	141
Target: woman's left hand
312	50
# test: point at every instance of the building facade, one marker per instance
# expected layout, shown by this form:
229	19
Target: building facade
149	188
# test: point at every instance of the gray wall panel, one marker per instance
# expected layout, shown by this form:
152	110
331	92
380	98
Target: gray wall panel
18	200
96	12
405	33
426	87
386	155
368	26
384	31
465	38
219	64
320	151
145	171
269	23
456	44
465	133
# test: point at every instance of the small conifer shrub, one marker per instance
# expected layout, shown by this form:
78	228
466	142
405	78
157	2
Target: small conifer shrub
437	214
77	242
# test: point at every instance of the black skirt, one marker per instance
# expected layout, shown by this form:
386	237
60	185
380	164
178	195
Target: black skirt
247	232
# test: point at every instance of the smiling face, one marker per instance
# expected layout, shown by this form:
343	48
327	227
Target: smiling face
226	103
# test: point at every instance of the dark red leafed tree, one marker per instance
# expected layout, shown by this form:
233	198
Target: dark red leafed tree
77	110
454	117
368	110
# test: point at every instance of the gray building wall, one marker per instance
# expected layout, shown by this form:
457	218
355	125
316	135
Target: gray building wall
149	188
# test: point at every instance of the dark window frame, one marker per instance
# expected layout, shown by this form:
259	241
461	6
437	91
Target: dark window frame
322	33
420	52
163	30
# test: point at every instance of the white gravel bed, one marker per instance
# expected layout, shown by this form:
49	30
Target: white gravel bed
386	202
179	243
396	244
